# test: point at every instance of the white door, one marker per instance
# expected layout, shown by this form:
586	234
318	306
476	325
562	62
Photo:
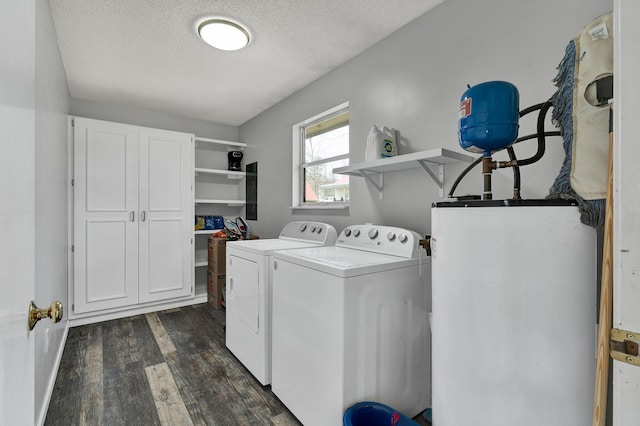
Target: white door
17	191
166	214
105	215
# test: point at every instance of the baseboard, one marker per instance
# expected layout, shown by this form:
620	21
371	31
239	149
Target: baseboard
52	379
93	318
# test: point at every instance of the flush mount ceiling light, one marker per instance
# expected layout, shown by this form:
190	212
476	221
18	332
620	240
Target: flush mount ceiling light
223	34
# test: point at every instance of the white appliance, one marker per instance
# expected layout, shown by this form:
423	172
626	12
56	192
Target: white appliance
514	314
248	291
350	324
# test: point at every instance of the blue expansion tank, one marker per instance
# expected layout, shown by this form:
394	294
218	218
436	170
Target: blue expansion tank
488	117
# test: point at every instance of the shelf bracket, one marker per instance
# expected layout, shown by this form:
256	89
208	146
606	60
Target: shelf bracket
374	178
439	178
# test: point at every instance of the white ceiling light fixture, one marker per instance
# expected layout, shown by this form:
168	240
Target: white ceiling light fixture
223	34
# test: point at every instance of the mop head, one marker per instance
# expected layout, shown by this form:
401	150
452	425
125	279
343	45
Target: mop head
584	127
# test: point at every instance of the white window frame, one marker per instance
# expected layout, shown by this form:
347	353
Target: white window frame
297	195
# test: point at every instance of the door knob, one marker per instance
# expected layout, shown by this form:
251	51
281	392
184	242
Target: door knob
54	312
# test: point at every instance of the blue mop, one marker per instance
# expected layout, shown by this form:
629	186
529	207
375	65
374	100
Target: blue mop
591	211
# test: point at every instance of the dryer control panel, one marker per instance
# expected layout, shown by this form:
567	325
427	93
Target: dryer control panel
317	232
380	239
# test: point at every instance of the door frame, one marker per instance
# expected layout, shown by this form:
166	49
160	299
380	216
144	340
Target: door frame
626	205
17	215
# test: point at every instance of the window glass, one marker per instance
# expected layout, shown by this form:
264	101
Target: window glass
322	144
328	143
321	185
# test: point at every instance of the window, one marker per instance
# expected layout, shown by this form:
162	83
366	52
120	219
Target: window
321	144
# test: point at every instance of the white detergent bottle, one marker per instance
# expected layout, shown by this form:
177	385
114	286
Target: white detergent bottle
374	142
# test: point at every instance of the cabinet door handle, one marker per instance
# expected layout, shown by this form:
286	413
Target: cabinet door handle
132	216
143	216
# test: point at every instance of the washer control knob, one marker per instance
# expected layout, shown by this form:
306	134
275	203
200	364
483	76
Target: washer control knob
313	228
373	233
347	232
356	232
402	238
319	229
391	236
303	227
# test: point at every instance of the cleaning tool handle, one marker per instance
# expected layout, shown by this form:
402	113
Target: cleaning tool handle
606	298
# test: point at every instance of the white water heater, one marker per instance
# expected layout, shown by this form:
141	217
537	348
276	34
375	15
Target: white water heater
514	314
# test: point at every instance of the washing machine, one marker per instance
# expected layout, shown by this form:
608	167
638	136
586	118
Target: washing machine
248	291
350	324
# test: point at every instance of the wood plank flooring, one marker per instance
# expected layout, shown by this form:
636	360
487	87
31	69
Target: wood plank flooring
163	368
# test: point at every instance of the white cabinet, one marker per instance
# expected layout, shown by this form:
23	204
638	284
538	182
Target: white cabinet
105	205
132	215
166	214
218	191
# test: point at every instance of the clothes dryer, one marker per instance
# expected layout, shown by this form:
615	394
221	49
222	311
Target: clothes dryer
248	295
350	324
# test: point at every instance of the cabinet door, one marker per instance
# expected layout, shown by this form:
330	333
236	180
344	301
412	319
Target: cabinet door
105	215
166	214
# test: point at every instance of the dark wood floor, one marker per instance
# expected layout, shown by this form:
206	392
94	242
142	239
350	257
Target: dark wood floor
164	368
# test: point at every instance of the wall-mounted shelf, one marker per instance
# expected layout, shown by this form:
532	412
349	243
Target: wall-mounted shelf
202	142
228	173
373	171
231	203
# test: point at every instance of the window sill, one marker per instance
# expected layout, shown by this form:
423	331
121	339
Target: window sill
321	207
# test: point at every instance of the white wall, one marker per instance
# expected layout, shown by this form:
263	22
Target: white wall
413	80
51	249
154	119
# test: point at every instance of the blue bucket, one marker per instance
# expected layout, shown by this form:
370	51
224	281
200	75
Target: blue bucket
375	414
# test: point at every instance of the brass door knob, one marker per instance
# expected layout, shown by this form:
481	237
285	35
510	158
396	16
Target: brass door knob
54	312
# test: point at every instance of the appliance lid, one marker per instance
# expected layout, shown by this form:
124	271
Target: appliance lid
268	246
294	235
345	262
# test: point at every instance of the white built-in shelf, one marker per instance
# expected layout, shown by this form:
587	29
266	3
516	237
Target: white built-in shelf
227	202
202	142
228	173
201	262
373	171
206	231
213	151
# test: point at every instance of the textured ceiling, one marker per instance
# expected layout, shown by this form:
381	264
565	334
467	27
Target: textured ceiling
146	53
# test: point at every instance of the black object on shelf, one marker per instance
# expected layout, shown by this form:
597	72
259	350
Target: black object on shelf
235	158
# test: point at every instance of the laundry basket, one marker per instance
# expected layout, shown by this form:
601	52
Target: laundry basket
375	414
